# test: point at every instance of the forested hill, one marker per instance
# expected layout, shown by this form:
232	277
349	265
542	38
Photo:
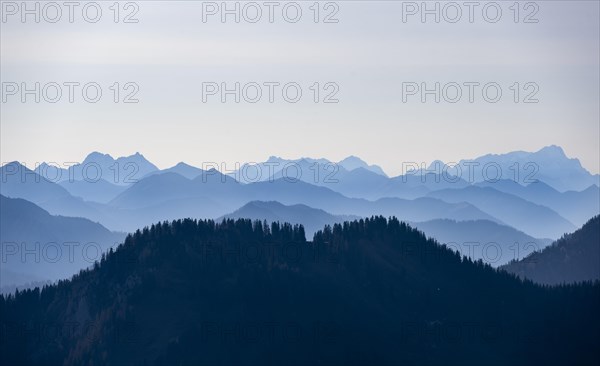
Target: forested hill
573	258
372	291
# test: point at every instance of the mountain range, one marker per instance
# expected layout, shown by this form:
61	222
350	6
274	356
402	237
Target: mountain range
549	165
501	216
218	270
349	187
575	206
537	220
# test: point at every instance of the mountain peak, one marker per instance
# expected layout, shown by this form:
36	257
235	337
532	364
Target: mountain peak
553	149
136	156
353	162
273	158
181	164
94	155
13	163
353	158
18	166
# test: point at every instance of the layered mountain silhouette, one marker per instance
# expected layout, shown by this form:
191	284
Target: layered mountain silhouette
20	182
163	187
38	246
358	180
366	291
156	193
100	191
183	169
536	220
350	187
576	206
573	258
373	291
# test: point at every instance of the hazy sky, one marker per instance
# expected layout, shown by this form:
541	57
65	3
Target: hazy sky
369	53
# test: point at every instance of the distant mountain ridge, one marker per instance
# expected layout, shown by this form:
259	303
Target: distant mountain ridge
163	188
353	162
576	206
100	191
183	169
21	182
168	196
124	170
549	165
350	187
538	221
58	246
318	171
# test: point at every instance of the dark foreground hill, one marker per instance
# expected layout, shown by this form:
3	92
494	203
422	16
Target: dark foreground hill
368	292
573	258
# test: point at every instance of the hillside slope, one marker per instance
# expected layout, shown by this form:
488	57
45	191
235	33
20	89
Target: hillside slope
574	257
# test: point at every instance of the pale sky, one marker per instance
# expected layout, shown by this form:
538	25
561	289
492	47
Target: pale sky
369	53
